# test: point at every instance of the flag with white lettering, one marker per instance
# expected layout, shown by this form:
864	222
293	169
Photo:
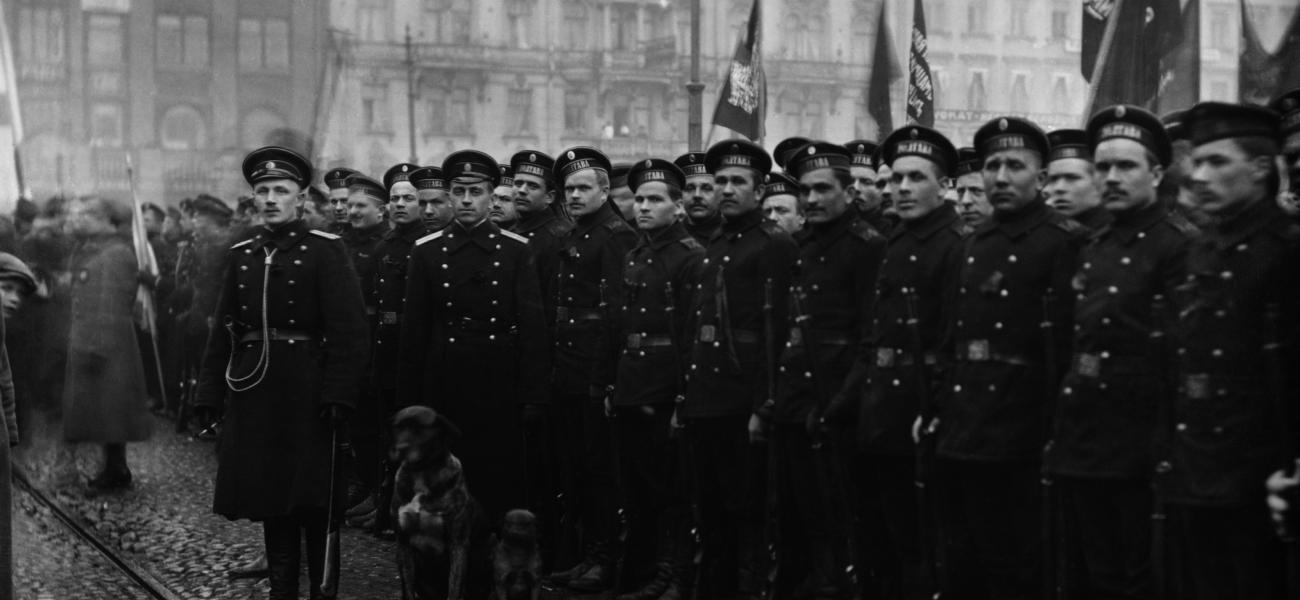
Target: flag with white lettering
1144	32
743	100
920	88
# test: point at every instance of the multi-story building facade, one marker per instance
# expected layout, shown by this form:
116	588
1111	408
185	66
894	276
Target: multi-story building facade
182	87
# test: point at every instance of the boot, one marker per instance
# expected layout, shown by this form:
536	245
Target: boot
254	569
358	503
571	573
282	556
115	474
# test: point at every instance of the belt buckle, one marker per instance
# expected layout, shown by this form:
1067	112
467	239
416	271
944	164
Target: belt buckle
633	341
1089	365
561	313
796	336
885	357
977	350
1198	386
708	333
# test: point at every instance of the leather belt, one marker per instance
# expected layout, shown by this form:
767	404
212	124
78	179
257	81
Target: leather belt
709	334
388	317
823	338
982	351
277	335
569	314
636	341
888	358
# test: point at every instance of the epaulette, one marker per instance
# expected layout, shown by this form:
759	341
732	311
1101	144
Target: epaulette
242	244
691	243
863	230
324	234
514	236
428	238
1070	226
1182	224
616	224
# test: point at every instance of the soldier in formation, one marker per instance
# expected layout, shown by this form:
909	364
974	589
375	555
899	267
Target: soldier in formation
978	397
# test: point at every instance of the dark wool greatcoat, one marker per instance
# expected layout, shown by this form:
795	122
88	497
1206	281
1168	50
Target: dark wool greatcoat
275	448
104	399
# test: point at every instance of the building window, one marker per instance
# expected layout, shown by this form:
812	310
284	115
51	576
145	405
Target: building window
106	125
804	116
105	40
1020	93
975	96
1219	92
576	113
375	110
939	81
864	35
624	21
1220	28
182	128
520	23
1060	23
519	111
577	25
806	33
373	20
936	18
1019	15
976	17
1061	95
42	34
449	20
263	44
448	111
258	126
182	41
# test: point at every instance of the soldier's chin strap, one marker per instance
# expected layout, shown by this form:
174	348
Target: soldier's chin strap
264	359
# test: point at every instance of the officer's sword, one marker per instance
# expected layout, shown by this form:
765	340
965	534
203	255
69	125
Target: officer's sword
330	582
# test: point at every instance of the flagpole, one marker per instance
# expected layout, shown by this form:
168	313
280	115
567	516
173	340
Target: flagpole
147	262
15	112
695	88
1099	67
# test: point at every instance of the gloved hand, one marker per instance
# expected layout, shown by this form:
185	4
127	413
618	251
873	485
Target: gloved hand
335	414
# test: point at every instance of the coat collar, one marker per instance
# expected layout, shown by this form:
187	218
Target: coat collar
741	224
485	235
407	231
923	229
586	223
1016	224
282	237
534	221
1126	227
1256	217
665	236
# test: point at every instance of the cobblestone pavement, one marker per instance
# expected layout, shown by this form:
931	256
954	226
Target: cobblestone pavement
164	524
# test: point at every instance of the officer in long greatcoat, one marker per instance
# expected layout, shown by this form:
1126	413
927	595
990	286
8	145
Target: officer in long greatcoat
471	333
728	400
1106	413
1233	416
1016	275
283	364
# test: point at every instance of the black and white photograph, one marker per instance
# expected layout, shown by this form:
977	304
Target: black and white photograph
650	299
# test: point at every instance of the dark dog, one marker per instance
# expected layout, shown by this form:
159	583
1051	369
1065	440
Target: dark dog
441	529
516	560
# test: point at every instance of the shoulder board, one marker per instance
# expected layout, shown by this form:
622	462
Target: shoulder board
1070	226
863	230
514	236
1182	224
324	234
617	224
242	244
428	238
691	243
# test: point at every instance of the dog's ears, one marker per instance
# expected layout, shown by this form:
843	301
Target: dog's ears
449	430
